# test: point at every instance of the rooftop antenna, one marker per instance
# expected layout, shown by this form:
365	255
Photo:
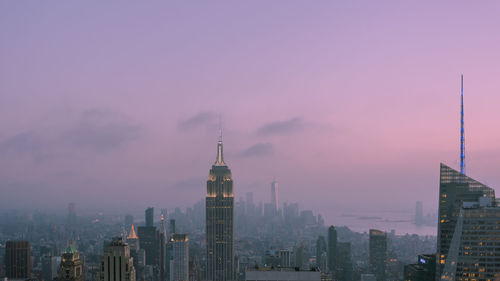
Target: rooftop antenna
220	128
462	136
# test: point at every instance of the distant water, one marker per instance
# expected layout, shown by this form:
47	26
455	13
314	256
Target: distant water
402	223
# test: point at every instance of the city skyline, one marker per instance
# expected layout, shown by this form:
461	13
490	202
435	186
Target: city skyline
80	117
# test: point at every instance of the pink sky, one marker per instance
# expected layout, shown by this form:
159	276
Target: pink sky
349	105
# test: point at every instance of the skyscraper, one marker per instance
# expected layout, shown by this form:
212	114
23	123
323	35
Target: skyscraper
454	189
419	213
343	267
71	268
149	240
117	264
18	260
332	248
150	216
378	253
180	257
220	221
274	197
474	252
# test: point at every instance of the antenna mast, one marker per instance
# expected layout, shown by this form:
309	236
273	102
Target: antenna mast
462	136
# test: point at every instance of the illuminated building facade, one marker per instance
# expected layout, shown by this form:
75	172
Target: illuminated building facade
220	221
454	189
475	248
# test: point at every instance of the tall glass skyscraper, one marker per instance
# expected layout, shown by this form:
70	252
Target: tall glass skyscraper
454	189
220	221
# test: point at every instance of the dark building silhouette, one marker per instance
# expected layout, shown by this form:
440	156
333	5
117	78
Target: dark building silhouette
454	189
343	267
220	221
18	260
150	241
378	253
150	214
71	268
332	248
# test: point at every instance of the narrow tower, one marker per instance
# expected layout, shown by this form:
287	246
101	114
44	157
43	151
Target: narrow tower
462	136
220	220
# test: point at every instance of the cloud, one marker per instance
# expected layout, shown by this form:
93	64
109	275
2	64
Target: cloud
196	121
282	127
259	149
94	130
99	130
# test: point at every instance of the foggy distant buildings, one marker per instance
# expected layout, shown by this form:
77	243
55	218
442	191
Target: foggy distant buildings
220	221
18	260
274	197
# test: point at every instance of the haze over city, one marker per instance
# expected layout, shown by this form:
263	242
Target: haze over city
348	106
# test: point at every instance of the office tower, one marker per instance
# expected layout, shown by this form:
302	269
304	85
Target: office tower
117	264
274	197
378	253
250	207
49	267
454	189
423	270
320	249
171	227
474	252
343	267
150	216
149	239
163	247
220	221
332	248
18	260
71	268
419	213
180	257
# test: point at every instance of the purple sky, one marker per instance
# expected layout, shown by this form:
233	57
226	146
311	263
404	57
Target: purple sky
349	105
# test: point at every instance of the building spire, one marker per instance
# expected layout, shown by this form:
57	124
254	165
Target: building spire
220	156
132	234
462	135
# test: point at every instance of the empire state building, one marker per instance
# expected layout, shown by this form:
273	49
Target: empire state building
220	221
